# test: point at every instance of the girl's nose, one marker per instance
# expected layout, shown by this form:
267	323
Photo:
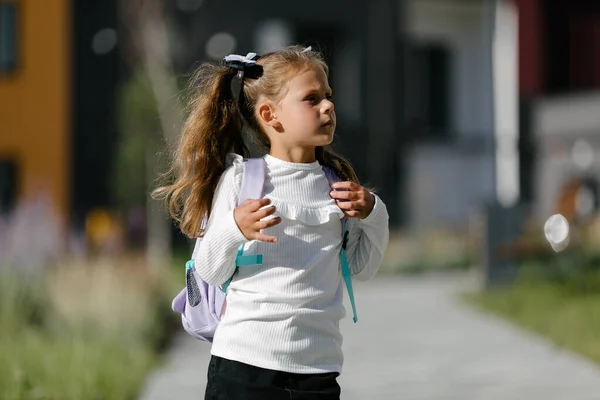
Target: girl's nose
328	106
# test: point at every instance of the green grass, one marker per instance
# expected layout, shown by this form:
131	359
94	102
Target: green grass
36	366
570	318
81	332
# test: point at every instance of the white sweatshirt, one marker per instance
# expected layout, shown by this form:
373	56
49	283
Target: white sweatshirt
284	315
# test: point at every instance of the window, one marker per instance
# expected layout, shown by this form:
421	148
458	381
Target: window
428	89
8	37
8	185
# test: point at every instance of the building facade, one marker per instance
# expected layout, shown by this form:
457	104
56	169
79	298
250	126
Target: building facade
58	80
35	125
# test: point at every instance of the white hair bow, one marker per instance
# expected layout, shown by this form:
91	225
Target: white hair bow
248	59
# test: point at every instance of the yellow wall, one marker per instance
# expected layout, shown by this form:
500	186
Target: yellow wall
35	101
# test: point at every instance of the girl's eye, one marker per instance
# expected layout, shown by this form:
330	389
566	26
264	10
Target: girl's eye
315	99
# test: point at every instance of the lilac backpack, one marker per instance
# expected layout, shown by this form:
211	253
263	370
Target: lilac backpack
202	305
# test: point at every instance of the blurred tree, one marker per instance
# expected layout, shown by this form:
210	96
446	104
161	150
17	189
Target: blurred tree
151	104
140	131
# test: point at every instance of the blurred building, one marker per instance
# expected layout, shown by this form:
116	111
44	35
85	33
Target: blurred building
35	127
436	98
485	79
562	94
58	76
443	105
449	115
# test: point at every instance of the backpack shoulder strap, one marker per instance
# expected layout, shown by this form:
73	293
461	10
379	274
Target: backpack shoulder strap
346	270
332	177
253	182
253	179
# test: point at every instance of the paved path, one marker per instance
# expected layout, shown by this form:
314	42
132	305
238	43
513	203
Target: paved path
415	340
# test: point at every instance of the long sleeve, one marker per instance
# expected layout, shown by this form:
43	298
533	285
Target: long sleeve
215	254
367	241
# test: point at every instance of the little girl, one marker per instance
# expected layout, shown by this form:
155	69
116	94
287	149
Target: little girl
279	337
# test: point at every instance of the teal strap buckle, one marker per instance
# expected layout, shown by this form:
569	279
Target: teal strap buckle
246	261
189	265
243	261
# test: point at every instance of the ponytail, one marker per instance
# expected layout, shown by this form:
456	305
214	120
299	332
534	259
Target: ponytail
212	130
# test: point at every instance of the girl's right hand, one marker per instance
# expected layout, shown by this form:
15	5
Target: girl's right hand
248	217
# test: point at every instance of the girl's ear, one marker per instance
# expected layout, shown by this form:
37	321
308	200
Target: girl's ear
267	115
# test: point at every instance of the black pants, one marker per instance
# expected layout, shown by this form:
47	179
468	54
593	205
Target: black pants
232	380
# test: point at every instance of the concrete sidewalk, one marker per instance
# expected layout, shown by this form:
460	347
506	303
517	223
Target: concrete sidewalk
416	340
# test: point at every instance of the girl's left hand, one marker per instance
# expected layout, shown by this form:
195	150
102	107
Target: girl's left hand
354	200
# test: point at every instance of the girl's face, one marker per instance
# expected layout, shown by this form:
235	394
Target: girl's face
306	114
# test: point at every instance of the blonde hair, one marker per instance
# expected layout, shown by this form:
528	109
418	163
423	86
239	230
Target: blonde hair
213	129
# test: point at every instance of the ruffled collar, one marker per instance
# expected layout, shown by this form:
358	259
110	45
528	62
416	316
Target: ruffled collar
310	203
308	215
